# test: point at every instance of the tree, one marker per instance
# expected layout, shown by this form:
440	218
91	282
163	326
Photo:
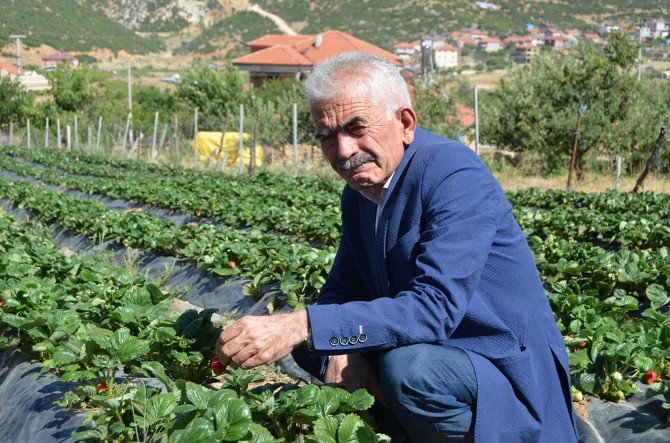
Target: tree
535	107
15	101
215	94
435	109
70	87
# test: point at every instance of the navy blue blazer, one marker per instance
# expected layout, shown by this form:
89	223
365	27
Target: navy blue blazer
449	264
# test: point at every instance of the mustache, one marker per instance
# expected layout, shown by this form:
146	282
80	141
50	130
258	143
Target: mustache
355	161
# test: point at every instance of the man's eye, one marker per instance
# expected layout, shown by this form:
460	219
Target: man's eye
357	130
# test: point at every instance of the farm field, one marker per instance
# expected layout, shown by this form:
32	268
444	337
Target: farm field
603	258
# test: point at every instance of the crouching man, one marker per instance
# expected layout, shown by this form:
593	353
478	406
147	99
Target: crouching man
434	302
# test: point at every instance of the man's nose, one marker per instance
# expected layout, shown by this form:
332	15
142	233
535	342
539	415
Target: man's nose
346	146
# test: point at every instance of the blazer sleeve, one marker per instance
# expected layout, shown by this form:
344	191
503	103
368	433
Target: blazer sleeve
463	207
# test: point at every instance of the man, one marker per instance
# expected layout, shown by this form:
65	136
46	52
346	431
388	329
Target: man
434	302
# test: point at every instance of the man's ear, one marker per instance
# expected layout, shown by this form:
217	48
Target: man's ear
408	121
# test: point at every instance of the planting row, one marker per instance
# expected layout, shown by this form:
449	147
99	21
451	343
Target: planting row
609	219
299	269
95	324
306	208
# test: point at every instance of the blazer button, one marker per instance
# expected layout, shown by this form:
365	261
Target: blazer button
353	339
362	338
344	341
334	341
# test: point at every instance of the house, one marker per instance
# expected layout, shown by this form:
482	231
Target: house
8	69
524	40
490	44
33	81
524	52
406	50
292	56
475	33
446	57
462	40
50	62
557	42
660	29
606	29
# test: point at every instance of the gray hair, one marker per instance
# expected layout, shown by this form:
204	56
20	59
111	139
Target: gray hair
386	87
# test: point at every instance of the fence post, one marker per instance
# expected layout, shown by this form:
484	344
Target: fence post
195	137
476	121
163	135
46	133
97	143
67	132
618	172
573	157
153	140
28	129
295	138
11	132
240	146
90	137
125	132
76	132
58	143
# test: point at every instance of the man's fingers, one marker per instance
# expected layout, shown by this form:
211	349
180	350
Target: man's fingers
231	332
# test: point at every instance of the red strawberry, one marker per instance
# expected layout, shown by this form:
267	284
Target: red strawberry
231	264
650	377
581	344
217	366
102	387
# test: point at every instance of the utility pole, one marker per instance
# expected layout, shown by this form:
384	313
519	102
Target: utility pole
639	24
18	38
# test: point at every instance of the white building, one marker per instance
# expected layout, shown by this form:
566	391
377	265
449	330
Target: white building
607	28
659	29
446	57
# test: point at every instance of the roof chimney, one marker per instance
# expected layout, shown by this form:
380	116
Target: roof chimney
318	39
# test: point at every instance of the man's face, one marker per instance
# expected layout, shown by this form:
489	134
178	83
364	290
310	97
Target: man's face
361	143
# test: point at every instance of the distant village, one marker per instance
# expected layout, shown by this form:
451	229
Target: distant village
446	52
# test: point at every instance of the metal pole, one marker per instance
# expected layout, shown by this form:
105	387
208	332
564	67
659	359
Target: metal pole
295	138
58	133
153	140
130	90
476	121
76	132
573	158
46	133
19	64
67	132
28	129
11	132
195	137
639	61
618	172
97	143
125	132
240	146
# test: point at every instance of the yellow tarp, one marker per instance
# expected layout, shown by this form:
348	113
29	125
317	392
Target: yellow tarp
208	145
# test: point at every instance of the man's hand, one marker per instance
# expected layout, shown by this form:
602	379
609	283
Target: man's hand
252	341
353	372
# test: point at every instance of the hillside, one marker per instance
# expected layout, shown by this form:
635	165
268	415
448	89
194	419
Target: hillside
68	25
219	27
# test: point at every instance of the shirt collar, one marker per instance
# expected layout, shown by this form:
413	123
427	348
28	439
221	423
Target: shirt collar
378	197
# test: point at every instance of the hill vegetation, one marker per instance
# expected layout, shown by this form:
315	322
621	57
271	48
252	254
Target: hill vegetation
68	25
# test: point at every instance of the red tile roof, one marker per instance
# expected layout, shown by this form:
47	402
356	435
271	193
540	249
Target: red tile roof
407	45
279	39
304	53
466	116
10	68
446	47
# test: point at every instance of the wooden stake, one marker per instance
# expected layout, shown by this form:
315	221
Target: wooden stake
76	132
58	134
46	133
125	132
67	132
28	129
573	157
97	143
